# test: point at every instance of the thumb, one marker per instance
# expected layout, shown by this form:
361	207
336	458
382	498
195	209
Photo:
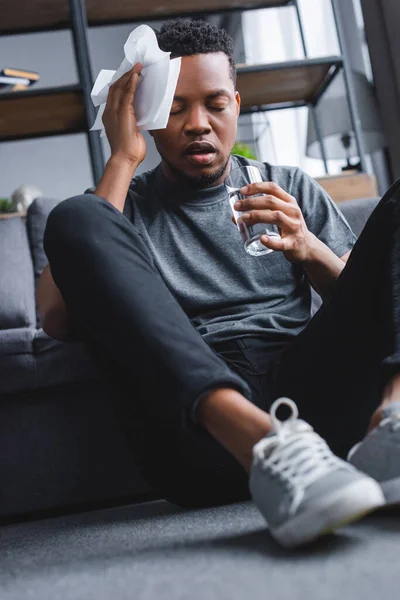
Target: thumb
274	243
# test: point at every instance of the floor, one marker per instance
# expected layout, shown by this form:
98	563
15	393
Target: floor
157	551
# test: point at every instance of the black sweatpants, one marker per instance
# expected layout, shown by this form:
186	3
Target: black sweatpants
158	366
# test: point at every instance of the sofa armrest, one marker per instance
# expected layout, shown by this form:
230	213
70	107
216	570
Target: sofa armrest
17	298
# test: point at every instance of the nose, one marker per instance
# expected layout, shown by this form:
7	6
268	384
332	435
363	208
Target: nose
197	122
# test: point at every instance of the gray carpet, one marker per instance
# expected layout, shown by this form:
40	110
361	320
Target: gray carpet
156	551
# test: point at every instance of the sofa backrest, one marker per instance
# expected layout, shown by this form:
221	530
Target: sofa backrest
36	219
357	212
22	259
17	289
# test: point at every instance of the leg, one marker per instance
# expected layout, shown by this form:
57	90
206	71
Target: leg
236	424
337	368
138	333
120	303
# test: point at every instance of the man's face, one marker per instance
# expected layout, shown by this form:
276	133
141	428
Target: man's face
196	145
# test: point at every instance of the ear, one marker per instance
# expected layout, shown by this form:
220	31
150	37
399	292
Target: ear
238	102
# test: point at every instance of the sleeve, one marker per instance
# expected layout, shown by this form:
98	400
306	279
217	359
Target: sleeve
323	218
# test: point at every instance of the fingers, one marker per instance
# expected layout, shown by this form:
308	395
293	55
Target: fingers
124	79
137	68
268	202
268	187
123	87
128	97
276	217
274	243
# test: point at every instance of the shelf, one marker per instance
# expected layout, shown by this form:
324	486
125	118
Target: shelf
41	113
42	15
59	111
285	85
35	15
12	215
100	12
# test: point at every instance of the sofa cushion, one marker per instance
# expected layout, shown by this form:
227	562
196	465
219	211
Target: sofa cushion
30	359
59	364
17	363
36	219
17	294
16	341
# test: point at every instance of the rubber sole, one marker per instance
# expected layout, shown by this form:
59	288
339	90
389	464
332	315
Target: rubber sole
391	491
336	510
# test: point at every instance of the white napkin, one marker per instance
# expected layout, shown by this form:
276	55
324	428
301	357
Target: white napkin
155	92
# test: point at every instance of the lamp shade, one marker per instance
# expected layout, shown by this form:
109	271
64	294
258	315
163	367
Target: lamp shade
335	122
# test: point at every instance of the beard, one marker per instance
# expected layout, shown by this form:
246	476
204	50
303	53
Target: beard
205	180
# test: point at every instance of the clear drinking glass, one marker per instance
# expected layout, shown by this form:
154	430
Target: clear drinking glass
251	234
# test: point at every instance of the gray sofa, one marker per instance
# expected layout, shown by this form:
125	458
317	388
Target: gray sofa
60	444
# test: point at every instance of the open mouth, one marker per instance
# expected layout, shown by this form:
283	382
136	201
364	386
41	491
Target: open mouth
200	153
204	158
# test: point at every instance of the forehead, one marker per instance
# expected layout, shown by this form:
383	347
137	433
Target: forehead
204	73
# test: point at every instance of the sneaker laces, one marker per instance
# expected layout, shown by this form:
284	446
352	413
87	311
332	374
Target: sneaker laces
296	454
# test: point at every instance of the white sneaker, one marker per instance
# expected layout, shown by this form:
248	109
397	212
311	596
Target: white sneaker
301	488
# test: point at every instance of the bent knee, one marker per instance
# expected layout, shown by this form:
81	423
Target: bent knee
73	219
73	210
77	213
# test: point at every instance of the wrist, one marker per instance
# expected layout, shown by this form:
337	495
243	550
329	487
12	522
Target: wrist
313	249
124	161
115	182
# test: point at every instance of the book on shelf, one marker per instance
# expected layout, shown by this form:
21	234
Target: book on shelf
13	80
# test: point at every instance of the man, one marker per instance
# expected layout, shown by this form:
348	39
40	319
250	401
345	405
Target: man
199	338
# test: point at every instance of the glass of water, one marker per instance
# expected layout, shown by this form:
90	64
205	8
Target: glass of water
251	234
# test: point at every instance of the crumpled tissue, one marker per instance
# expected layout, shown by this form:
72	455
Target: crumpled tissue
156	88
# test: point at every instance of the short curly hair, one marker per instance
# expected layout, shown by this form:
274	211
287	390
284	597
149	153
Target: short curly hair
184	37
